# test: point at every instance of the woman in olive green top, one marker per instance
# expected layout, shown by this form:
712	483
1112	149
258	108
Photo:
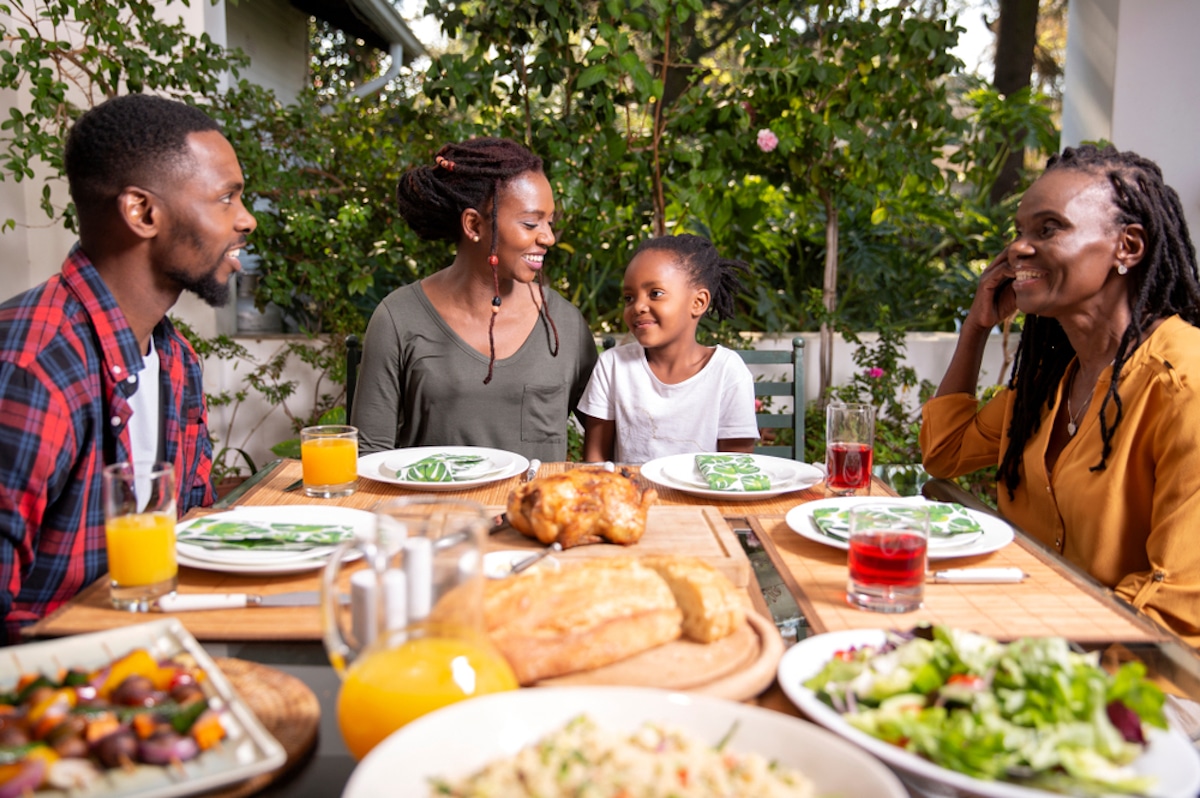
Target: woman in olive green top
480	353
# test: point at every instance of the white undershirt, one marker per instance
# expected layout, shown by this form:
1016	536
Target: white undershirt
145	422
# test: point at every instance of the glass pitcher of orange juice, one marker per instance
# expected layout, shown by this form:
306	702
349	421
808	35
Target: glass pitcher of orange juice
412	638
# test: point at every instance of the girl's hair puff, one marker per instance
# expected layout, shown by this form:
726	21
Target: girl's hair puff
698	257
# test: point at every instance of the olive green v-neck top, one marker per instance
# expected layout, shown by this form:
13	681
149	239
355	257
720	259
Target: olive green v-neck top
420	384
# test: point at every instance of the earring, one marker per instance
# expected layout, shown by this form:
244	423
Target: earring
1122	269
475	239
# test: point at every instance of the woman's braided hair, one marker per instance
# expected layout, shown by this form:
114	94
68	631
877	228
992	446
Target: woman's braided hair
469	174
1163	284
698	257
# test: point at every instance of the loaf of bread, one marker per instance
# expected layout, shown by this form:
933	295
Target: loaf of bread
599	611
712	607
548	623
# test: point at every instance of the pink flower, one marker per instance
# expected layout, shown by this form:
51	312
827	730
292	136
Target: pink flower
767	140
874	372
758	405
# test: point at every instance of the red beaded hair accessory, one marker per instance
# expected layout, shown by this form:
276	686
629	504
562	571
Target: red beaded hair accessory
445	163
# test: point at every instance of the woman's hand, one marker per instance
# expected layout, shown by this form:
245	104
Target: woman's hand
994	302
995	299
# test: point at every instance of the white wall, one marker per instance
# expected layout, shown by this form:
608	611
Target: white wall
278	61
1131	77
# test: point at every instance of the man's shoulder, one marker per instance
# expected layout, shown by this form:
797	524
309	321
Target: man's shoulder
34	321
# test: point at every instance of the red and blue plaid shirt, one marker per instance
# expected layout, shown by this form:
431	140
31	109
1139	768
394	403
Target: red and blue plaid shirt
68	365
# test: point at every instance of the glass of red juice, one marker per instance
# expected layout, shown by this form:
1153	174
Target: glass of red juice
887	557
849	447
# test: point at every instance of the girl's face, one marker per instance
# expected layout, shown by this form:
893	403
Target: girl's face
661	303
524	226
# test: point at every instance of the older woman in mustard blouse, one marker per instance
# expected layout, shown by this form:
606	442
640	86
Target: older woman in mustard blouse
1098	431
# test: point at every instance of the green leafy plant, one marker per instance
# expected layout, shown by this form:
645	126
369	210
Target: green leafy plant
647	113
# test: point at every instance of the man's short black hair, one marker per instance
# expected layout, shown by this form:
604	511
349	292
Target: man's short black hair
132	140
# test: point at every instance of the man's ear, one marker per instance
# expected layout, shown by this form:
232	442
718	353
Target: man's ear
1131	247
700	302
140	211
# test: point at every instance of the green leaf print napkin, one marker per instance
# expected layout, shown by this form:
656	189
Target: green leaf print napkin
440	468
946	520
211	533
734	472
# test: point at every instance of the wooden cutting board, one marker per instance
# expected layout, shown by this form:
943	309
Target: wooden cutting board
698	532
737	667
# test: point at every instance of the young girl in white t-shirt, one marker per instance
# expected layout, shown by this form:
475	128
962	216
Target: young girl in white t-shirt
668	394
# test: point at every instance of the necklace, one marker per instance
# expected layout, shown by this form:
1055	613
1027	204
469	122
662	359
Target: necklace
1072	418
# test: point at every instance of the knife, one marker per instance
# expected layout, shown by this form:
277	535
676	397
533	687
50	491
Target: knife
182	602
534	559
979	576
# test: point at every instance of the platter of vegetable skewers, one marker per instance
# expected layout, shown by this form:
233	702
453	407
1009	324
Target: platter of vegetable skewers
138	711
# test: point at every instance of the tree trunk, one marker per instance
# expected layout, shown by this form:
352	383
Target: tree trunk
828	294
1015	42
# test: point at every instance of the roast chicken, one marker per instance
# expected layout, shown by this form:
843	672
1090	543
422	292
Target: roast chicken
581	506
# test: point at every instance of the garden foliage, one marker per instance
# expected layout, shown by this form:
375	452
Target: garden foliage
796	134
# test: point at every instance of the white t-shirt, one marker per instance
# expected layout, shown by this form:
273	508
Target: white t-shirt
145	422
654	419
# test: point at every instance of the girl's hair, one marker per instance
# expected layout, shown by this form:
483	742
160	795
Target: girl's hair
1163	284
698	257
469	174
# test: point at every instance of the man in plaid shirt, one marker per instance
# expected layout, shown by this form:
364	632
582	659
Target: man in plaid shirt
158	191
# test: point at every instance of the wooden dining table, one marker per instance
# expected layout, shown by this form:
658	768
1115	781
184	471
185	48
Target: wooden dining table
797	572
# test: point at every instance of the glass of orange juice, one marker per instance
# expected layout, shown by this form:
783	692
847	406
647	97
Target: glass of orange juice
139	527
329	457
425	646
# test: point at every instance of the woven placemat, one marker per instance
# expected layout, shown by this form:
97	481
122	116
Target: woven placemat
1051	602
284	705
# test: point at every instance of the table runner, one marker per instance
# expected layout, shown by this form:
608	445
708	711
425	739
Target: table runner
1052	601
370	492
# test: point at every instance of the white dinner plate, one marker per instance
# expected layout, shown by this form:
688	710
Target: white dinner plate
498	725
498	464
247	750
1170	756
233	561
996	533
678	471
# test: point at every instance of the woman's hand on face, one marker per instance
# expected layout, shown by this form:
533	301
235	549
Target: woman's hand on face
995	299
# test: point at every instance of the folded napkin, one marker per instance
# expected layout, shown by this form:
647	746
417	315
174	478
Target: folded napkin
946	520
212	533
735	472
439	468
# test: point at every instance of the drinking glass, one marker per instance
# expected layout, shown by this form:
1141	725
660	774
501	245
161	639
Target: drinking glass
412	637
329	458
139	528
888	543
849	447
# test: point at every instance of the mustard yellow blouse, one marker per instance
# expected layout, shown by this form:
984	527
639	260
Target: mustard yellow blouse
1135	526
